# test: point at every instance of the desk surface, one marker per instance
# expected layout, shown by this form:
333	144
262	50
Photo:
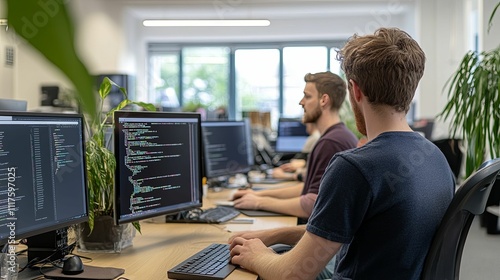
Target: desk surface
163	245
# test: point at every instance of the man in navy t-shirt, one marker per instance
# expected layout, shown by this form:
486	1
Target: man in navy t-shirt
379	205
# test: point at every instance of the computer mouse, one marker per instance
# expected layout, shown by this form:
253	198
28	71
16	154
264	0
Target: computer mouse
72	265
280	248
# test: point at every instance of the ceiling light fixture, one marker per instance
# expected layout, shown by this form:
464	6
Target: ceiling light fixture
206	22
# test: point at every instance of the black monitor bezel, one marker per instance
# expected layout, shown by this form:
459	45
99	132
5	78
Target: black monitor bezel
66	223
116	189
245	170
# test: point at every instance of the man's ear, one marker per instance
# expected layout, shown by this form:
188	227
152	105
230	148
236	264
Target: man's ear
356	91
324	99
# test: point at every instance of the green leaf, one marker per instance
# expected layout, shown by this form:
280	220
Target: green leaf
490	21
46	26
105	87
147	106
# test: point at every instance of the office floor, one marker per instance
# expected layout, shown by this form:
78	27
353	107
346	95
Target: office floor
481	256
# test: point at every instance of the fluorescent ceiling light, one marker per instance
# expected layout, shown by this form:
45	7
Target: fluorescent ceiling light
207	22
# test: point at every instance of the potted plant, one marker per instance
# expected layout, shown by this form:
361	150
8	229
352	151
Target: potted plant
473	107
100	233
474	102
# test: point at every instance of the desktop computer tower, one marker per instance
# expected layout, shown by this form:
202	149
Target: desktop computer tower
52	245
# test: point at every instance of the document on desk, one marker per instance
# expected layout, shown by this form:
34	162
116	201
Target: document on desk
241	221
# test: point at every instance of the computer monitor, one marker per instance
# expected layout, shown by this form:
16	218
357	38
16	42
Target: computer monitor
13	105
43	175
228	147
159	164
292	136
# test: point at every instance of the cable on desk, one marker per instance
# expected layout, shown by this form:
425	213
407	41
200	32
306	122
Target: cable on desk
44	261
83	257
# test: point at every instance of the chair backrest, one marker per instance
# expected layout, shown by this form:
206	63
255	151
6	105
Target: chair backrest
445	254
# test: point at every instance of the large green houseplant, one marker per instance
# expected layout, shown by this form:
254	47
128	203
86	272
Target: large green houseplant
474	104
101	166
101	163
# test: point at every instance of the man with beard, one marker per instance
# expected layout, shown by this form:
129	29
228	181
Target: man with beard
381	203
324	94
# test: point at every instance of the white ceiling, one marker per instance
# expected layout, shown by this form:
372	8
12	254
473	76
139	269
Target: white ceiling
258	9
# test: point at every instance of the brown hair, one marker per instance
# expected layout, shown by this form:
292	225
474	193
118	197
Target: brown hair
387	66
331	84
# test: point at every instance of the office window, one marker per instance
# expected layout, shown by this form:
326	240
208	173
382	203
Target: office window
297	61
257	84
205	77
242	77
164	79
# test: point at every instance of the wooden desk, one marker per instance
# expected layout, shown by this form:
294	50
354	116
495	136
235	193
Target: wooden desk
163	245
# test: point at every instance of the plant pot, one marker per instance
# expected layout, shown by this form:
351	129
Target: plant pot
106	236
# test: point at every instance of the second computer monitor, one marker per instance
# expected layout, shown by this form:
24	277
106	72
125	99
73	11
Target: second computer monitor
292	136
159	164
228	148
13	105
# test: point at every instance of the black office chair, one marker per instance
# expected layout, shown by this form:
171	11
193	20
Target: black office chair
445	254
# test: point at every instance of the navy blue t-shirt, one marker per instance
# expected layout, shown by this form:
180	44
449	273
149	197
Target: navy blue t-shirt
383	201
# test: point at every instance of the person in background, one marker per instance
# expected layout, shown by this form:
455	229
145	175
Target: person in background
379	205
296	167
313	137
324	94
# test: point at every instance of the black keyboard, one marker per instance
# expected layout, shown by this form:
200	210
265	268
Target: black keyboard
215	215
213	262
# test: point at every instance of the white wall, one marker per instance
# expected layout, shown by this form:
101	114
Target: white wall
111	39
489	40
30	70
441	25
6	72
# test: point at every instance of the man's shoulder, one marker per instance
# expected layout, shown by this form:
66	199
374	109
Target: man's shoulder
339	135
